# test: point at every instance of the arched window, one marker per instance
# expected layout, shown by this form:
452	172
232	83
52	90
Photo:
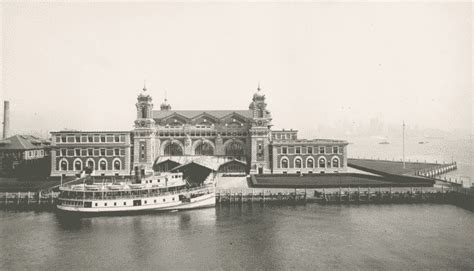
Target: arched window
335	162
204	148
90	164
173	149
322	162
260	113
103	165
63	165
284	163
298	163
144	115
78	165
234	149
310	163
117	165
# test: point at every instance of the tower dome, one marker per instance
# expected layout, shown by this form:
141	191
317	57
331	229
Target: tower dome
165	105
259	95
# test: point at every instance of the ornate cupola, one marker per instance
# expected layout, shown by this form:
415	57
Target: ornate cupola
165	106
144	109
259	107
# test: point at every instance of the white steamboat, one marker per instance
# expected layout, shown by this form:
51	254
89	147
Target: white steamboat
166	191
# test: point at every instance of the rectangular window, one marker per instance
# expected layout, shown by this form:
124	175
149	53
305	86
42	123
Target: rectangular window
77	152
334	150
70	152
102	152
284	150
58	152
341	150
96	152
84	152
117	138
90	139
63	139
298	150
102	139
310	150
321	150
63	152
96	139
78	139
90	152
58	139
110	152
116	152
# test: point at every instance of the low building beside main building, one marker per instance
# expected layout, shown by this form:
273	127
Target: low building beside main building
241	138
24	155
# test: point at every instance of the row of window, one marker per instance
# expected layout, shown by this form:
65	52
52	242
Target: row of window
125	203
78	165
89	152
90	139
311	150
309	163
284	135
23	155
200	133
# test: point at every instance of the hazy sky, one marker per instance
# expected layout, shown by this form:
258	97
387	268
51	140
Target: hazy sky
81	65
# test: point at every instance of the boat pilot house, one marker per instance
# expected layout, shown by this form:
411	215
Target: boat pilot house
199	143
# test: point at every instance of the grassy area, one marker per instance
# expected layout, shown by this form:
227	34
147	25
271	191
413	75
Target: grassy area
333	181
390	167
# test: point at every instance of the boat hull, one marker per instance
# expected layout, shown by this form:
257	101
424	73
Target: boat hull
204	201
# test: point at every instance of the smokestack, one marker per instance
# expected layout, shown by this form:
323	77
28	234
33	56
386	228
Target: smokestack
6	119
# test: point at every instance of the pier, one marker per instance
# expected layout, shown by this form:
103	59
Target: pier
388	195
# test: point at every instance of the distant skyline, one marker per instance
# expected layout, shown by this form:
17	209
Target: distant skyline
323	66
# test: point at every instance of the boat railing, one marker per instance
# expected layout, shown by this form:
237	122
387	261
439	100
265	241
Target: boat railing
95	195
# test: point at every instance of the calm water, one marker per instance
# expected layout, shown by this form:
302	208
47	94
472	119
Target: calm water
418	236
447	150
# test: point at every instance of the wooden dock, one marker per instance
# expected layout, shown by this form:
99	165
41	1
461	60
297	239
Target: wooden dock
454	195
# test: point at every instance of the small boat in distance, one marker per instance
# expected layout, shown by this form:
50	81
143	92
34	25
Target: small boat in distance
422	142
385	142
164	191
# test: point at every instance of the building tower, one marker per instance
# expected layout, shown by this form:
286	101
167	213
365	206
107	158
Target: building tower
259	134
144	135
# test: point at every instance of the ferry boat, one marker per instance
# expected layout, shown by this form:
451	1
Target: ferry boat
165	191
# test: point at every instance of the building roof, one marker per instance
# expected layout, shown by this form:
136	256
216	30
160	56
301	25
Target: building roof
190	114
307	141
89	132
23	142
211	162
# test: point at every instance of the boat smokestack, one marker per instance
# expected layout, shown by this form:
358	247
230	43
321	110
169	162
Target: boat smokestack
6	119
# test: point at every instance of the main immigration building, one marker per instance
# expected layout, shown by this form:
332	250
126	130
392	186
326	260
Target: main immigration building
229	141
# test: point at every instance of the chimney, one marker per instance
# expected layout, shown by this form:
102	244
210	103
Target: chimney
6	119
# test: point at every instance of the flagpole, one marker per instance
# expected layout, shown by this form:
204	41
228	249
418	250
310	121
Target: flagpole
403	136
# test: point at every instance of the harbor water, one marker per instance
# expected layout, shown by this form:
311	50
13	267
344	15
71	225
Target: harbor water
312	236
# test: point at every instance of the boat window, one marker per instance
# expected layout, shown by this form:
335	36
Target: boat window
173	199
155	201
105	204
124	203
115	203
164	200
145	201
96	204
